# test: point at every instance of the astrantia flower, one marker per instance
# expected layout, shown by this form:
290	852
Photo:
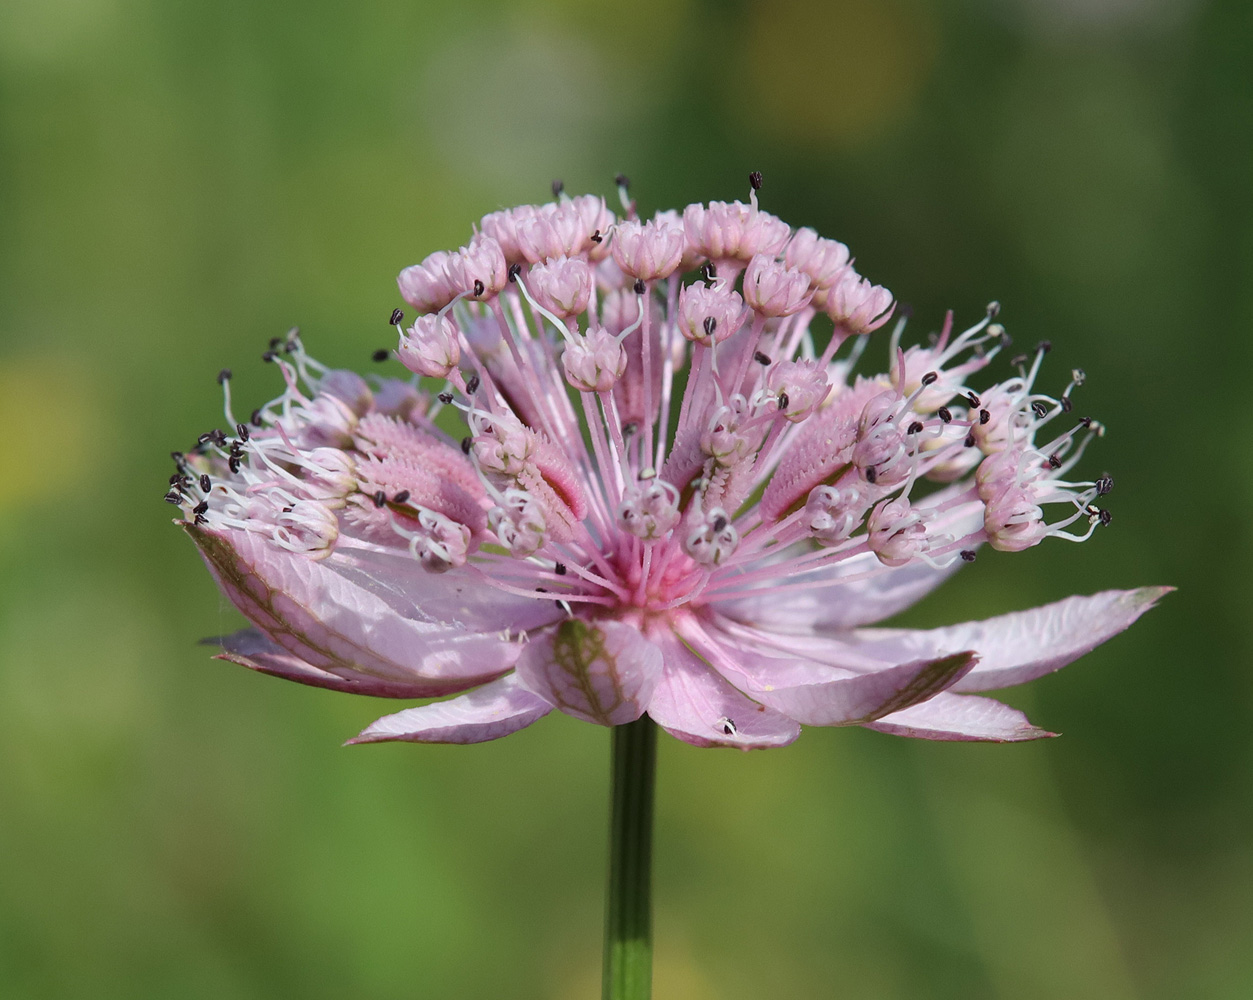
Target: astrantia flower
669	494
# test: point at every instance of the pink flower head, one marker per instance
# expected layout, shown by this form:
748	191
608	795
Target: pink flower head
702	532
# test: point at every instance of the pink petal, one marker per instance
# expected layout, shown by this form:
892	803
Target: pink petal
1024	645
694	704
961	717
831	605
602	672
249	648
818	695
350	621
497	709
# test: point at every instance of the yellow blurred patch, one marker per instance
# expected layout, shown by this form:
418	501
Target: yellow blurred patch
837	73
52	421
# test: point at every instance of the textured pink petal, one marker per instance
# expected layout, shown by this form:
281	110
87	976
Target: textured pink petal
1021	646
961	717
694	704
599	671
249	648
831	605
497	709
345	624
819	695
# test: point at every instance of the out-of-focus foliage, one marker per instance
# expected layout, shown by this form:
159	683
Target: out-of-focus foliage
179	182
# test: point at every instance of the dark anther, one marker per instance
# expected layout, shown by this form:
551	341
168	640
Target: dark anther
275	343
479	288
177	457
268	356
871	475
472	385
760	358
1105	517
710	324
174	497
596	237
915	428
224	375
1044	346
219	437
205	483
1039	409
237	448
445	398
984	416
1006	341
398	317
640	287
720	523
562	606
234	464
783	400
401	497
708	272
201	519
205	438
1085	421
176	479
514	271
1067	405
974	400
754	180
622	180
1018	359
558	187
945	414
968	555
1104	484
560	569
379	498
382	354
467	443
994	310
970	440
255	418
930	377
1055	461
728	727
541	590
242	431
629	429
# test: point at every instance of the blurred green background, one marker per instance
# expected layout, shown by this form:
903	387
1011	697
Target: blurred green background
181	181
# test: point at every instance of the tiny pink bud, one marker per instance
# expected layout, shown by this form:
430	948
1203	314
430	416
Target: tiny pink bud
798	386
648	251
773	289
480	265
430	347
825	261
594	363
857	305
896	533
734	230
709	314
427	286
561	285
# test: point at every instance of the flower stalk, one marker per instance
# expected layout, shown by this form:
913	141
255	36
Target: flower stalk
628	959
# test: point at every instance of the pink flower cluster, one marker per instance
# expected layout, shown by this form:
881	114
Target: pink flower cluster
669	494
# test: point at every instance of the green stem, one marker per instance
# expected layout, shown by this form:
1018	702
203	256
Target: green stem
628	905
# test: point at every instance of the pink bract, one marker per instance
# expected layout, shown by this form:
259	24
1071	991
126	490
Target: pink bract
667	493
